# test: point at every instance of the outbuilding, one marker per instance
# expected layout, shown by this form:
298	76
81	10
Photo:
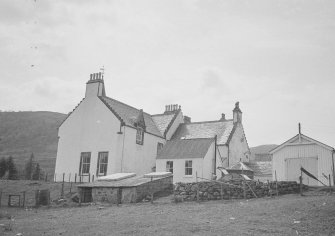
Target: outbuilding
302	151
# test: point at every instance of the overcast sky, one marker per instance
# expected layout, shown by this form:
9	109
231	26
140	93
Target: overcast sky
277	58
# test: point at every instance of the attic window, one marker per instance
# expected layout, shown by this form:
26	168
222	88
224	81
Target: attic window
139	136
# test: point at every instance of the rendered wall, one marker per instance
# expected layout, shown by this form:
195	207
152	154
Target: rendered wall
179	119
238	147
203	167
92	127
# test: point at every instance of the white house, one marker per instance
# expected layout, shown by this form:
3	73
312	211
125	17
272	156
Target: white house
302	151
198	149
103	136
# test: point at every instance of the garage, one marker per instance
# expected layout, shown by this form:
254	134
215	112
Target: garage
302	151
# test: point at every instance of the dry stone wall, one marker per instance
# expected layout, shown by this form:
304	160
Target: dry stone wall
232	190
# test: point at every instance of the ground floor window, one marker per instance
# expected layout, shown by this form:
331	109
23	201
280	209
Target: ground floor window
85	161
102	163
169	166
188	167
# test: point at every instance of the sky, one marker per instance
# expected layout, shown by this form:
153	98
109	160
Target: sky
277	58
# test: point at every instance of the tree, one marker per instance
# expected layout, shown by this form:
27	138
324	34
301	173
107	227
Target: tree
3	167
29	168
37	172
12	171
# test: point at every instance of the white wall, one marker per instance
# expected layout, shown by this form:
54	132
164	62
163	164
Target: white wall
179	119
300	151
139	158
203	167
92	127
238	147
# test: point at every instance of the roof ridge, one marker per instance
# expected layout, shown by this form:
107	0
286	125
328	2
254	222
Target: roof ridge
125	104
162	114
209	121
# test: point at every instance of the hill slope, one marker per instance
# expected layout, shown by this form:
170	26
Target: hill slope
261	149
23	133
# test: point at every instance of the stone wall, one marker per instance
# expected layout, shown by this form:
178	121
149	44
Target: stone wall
232	190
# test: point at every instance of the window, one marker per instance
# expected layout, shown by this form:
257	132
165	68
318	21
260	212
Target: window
169	166
85	160
139	136
188	167
159	147
102	163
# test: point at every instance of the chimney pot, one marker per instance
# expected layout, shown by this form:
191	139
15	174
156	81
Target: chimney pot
99	75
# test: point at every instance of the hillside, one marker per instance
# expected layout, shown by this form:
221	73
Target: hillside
261	149
23	133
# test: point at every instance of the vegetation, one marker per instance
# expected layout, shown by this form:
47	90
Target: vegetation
12	171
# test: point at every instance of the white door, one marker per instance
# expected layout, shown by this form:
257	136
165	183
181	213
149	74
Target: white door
308	163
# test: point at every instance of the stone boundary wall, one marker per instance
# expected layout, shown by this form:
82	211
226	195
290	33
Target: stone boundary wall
232	190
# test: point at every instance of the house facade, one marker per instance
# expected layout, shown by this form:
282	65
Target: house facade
103	136
302	151
198	150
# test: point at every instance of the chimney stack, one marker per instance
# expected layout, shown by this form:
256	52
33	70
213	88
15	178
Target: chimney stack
237	113
187	119
172	108
95	86
223	117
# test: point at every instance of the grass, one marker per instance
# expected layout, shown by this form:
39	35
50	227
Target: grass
284	215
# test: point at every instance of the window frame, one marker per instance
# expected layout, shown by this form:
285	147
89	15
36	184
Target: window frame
188	168
168	167
139	135
100	163
86	164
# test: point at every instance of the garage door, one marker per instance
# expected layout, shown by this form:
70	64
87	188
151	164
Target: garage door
293	169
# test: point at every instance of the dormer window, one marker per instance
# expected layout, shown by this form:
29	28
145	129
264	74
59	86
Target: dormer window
139	135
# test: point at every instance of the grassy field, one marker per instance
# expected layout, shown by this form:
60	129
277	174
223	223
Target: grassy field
285	215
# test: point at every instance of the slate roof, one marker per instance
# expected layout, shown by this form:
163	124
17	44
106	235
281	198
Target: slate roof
185	148
206	129
162	121
129	114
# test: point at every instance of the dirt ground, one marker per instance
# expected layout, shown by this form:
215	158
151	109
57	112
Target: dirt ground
313	214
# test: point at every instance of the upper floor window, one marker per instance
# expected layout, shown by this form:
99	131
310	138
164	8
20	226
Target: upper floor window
85	161
188	167
102	163
159	147
139	136
169	166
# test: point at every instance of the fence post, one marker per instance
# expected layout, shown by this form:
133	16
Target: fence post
92	178
46	177
276	183
221	193
69	177
89	177
330	186
244	193
75	178
24	198
196	178
37	201
62	191
0	197
55	177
